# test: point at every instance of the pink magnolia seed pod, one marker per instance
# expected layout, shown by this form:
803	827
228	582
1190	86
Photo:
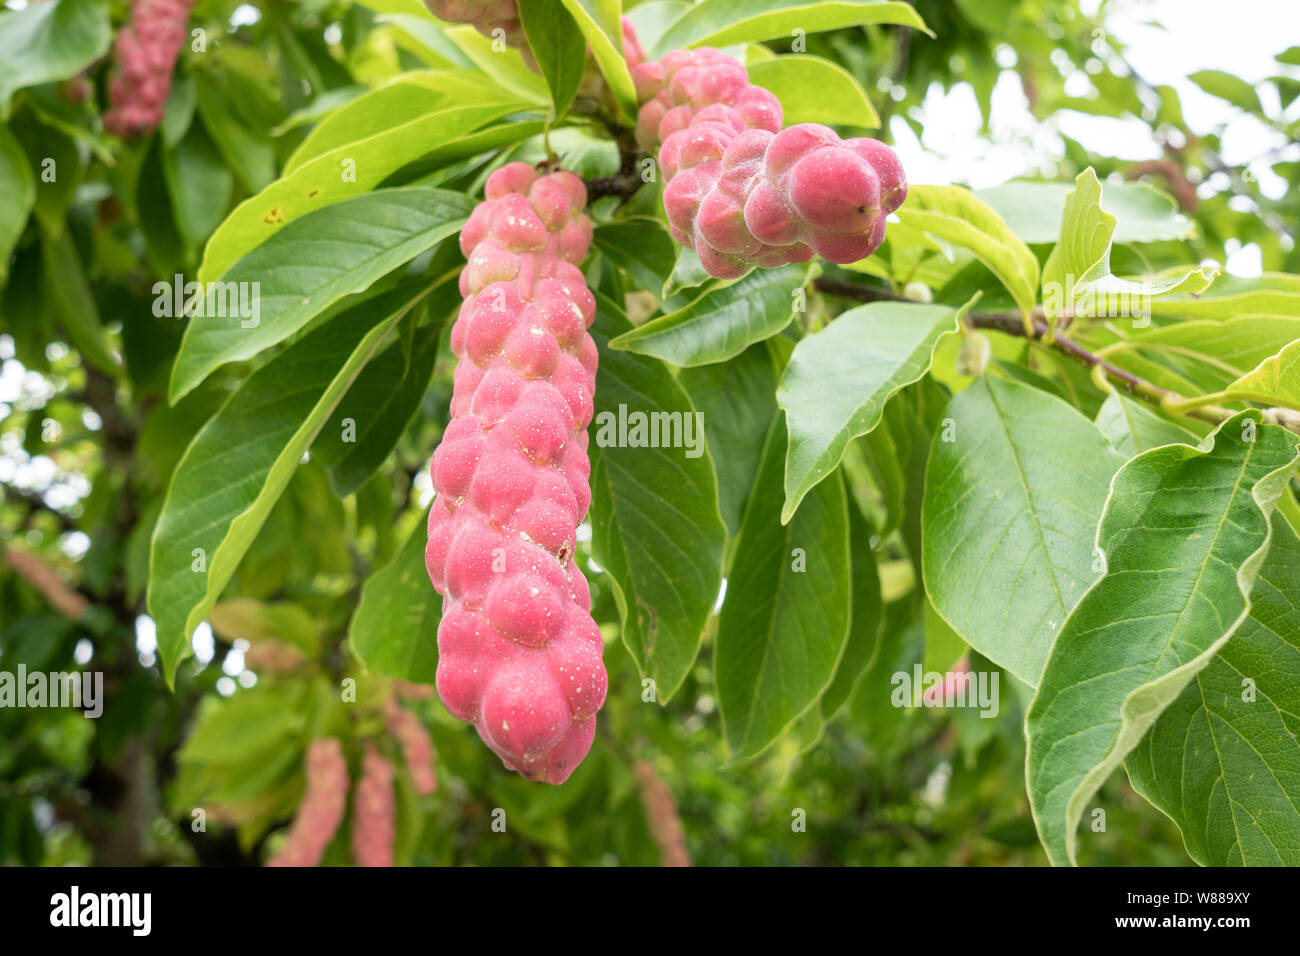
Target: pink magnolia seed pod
374	815
519	653
416	744
145	52
321	810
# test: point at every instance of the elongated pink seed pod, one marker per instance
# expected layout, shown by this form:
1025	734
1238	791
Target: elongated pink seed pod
145	52
321	810
417	746
374	818
661	814
741	191
519	653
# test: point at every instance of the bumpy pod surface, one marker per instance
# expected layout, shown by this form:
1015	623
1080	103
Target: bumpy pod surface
417	746
519	653
741	191
661	814
374	818
145	52
321	810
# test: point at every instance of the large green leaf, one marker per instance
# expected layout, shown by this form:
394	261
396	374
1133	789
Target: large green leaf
1235	346
312	263
815	90
69	291
371	417
395	628
1271	294
1275	381
785	622
44	42
599	22
724	22
655	524
1222	760
838	381
1077	277
1228	87
737	399
1132	427
642	248
242	459
1013	491
557	45
199	182
958	216
321	182
17	195
1184	533
722	323
1034	211
867	620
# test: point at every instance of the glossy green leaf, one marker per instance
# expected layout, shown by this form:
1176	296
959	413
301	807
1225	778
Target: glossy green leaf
867	621
349	171
737	399
599	22
17	194
312	263
785	621
394	630
1222	760
724	322
50	41
199	183
815	90
1184	533
1275	381
1133	427
1228	87
723	22
558	47
1006	538
1271	294
642	248
956	215
656	530
838	381
241	460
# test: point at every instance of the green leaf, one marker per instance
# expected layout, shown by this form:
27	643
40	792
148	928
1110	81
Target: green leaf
1276	381
199	183
1034	211
505	66
242	459
1013	491
1228	87
815	90
1222	760
724	22
599	22
230	731
247	150
557	46
45	42
312	263
370	419
956	215
838	381
1077	278
724	322
69	291
1234	345
1132	427
1184	533
253	621
321	182
737	399
642	248
395	628
868	618
655	524
17	195
1271	294
785	622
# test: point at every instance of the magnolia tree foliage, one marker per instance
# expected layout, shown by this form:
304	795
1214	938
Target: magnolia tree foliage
376	369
